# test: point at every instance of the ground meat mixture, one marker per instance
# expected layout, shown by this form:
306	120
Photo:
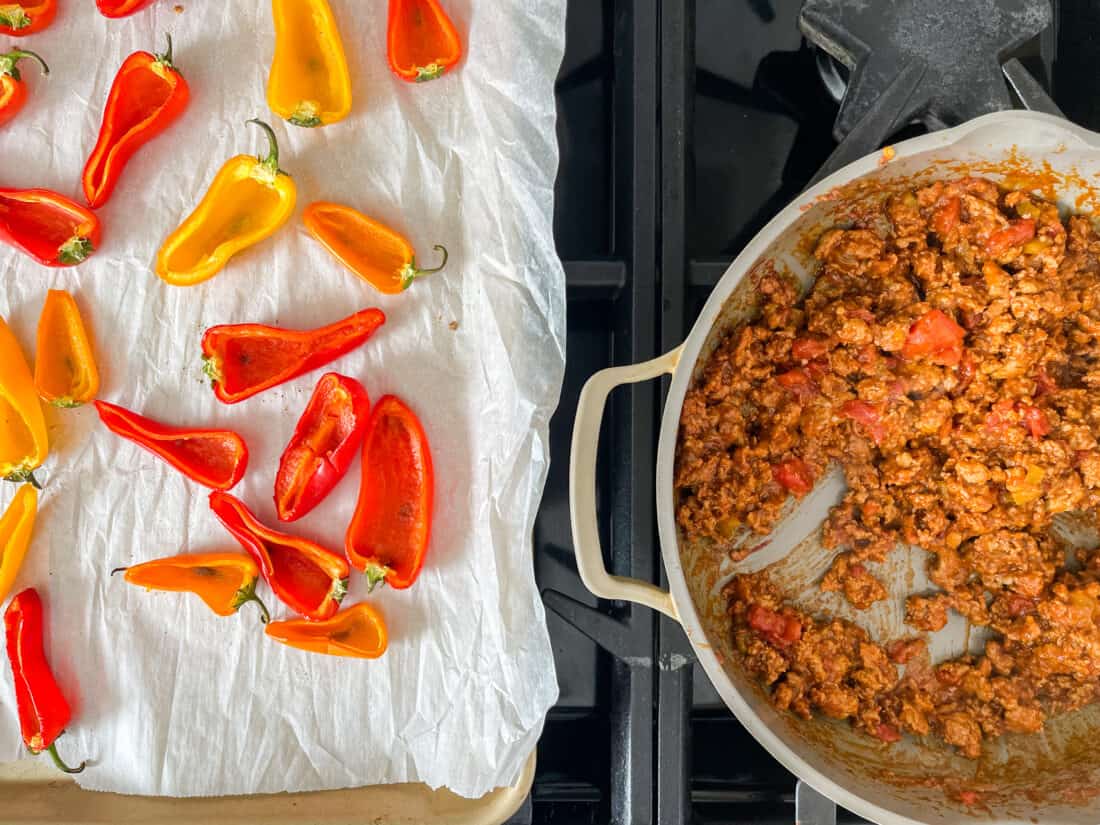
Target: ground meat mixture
947	358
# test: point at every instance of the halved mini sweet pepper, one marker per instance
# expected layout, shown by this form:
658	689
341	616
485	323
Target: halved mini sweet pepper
49	227
389	533
373	251
25	17
309	84
65	373
358	632
250	198
23	442
307	578
224	581
148	94
16	526
421	40
43	709
243	359
213	458
13	89
120	8
323	445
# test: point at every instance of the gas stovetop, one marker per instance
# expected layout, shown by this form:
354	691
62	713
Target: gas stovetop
684	126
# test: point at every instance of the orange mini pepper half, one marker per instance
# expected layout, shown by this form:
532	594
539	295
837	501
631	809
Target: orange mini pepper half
373	251
421	40
49	227
389	532
23	18
309	84
148	95
248	201
224	581
306	577
214	458
13	90
358	632
65	373
23	442
16	526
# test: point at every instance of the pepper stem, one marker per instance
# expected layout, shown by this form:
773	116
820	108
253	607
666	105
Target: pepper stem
119	570
8	61
74	250
61	766
410	273
376	574
15	17
265	616
24	477
272	159
166	58
211	369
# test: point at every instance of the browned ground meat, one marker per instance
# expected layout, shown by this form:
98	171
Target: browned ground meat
948	359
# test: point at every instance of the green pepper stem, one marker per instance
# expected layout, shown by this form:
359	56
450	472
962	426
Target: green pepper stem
265	616
166	58
24	477
443	263
272	159
8	61
61	766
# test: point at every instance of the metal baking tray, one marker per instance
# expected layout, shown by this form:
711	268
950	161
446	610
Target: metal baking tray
32	792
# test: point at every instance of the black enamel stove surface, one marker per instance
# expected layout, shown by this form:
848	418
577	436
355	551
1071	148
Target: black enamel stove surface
684	126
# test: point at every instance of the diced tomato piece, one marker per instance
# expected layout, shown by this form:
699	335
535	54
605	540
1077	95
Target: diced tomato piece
868	415
935	336
887	733
795	475
1000	416
774	627
897	389
1017	232
1035	420
818	369
806	349
947	216
798	382
1018	605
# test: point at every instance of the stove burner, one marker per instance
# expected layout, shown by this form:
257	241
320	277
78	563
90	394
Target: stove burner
956	49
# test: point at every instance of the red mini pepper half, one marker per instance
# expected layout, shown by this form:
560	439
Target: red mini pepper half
120	8
49	227
388	535
43	709
244	359
306	577
214	458
26	16
323	445
147	96
13	90
421	40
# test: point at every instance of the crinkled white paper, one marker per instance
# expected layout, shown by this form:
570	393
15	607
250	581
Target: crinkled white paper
168	698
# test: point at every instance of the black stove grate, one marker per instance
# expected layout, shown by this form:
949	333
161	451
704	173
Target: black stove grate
684	126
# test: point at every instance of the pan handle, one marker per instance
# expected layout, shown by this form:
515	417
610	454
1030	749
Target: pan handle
582	486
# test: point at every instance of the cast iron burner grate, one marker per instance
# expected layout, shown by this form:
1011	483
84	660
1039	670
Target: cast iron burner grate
937	62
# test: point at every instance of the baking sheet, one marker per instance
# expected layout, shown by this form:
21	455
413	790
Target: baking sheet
168	698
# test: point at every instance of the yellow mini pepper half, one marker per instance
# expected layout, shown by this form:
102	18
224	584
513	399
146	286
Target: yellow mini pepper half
64	366
309	84
250	198
23	442
15	535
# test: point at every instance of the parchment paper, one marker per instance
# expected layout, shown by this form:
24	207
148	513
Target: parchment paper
168	698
